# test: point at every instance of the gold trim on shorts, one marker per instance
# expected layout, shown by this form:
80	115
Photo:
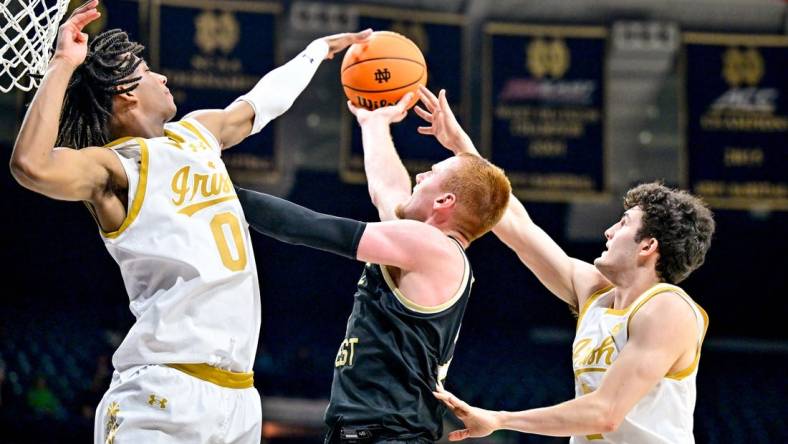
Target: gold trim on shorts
223	378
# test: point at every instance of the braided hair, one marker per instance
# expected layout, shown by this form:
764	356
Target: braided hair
87	107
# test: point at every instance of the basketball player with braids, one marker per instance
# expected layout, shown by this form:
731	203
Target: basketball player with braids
97	131
638	339
411	298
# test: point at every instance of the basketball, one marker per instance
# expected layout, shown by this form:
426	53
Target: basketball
379	72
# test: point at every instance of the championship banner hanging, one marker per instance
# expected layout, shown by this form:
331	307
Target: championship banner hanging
212	52
543	109
737	119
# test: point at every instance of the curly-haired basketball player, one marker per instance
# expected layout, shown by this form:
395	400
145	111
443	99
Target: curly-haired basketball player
638	339
97	131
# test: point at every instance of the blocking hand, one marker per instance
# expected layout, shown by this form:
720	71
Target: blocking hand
338	42
72	43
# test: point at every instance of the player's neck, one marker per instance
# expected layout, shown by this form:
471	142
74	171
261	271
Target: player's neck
631	286
130	126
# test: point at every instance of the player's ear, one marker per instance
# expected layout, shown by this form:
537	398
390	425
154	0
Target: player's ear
649	246
445	200
126	100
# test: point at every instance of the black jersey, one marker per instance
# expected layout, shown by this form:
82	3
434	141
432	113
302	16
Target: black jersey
394	354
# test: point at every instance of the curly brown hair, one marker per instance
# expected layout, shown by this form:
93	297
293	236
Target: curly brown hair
681	223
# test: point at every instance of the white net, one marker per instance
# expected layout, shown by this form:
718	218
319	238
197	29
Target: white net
27	30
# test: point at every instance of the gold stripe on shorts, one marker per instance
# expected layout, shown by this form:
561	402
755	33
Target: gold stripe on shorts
223	378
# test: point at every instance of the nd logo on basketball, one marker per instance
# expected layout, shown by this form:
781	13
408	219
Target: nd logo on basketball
547	58
382	75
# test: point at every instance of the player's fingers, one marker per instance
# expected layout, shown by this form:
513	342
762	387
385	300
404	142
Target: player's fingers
431	100
459	435
83	19
422	113
362	35
425	99
405	100
440	394
83	7
426	130
444	102
352	107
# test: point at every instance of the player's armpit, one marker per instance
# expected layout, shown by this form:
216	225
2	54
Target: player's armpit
69	174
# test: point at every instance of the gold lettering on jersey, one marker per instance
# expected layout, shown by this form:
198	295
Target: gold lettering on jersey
346	352
195	191
583	354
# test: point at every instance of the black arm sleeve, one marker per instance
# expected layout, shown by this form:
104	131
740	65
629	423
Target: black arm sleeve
294	224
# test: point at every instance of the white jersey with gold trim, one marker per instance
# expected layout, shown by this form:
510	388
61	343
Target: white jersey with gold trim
665	414
185	254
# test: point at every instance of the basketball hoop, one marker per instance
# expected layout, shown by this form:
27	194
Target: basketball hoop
27	30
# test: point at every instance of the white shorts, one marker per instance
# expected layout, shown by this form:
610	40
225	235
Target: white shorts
159	404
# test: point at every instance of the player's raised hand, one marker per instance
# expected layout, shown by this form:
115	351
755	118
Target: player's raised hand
72	43
338	42
389	114
478	422
443	124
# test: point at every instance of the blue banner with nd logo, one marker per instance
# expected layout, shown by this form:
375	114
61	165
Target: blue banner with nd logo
212	52
440	37
543	108
737	119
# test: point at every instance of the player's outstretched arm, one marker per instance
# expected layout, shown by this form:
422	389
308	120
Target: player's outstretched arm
274	93
60	173
387	179
662	333
570	279
406	244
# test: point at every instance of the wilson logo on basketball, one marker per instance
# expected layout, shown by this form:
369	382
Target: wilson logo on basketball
373	104
382	76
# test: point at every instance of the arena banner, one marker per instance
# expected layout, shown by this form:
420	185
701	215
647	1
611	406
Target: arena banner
736	96
543	109
440	38
212	52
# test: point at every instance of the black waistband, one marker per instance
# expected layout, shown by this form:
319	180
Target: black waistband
368	434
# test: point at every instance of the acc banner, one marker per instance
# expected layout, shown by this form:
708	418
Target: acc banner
440	38
737	111
543	108
212	52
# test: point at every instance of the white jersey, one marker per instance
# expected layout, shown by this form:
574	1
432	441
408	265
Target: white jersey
185	255
664	415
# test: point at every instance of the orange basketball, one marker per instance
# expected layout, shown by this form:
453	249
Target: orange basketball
381	71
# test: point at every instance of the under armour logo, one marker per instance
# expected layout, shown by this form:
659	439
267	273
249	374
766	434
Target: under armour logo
382	76
162	402
311	60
